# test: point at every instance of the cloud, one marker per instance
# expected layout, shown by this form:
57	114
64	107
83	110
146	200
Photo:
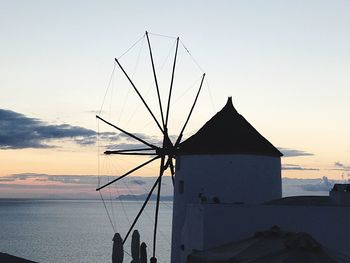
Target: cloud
120	136
66	186
120	141
342	167
74	179
89	140
296	167
293	153
7	179
138	182
123	146
66	179
298	186
21	176
18	131
324	185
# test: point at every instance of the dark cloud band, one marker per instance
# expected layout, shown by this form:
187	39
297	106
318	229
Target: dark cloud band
293	153
296	167
18	131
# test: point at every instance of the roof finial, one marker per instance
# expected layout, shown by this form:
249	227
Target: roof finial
229	104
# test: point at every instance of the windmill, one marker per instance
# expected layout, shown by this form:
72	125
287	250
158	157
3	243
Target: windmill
167	152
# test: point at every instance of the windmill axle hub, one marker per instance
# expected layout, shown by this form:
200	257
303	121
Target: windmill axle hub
169	151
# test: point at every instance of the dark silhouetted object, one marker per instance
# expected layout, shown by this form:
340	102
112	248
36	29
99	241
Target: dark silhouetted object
6	258
135	247
228	132
118	250
216	200
143	253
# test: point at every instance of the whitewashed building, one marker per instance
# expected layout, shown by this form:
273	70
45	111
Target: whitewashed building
228	185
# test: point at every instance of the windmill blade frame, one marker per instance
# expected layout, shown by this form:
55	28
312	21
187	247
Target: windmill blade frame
167	152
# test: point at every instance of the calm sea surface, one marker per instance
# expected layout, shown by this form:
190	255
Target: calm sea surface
75	230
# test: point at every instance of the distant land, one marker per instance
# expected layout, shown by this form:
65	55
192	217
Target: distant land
143	197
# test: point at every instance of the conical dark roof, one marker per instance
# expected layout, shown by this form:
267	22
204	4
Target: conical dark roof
228	132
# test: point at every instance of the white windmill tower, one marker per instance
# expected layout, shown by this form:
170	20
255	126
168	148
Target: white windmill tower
226	161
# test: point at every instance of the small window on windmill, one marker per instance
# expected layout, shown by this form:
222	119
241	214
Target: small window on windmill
181	186
177	164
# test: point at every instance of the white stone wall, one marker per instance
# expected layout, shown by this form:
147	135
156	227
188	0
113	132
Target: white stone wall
221	224
233	178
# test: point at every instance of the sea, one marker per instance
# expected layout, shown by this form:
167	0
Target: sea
61	231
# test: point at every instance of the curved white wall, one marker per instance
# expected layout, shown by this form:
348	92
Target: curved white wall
251	179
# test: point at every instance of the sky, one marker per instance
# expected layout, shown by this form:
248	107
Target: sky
286	65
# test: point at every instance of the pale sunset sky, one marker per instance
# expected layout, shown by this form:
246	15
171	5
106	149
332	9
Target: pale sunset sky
286	65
